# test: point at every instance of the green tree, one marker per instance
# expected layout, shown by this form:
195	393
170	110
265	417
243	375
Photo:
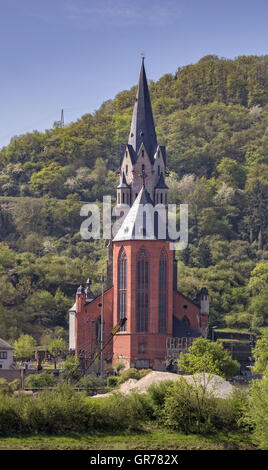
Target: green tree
232	172
256	412
24	347
71	371
208	357
260	354
57	348
49	180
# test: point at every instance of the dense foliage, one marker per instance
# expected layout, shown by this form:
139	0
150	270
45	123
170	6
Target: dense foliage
62	410
209	357
212	116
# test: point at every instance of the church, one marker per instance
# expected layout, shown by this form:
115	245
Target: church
141	284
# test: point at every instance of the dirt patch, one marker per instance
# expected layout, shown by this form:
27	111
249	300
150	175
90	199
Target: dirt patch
215	384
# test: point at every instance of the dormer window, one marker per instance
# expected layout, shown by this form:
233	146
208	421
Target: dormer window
126	169
142	153
142	168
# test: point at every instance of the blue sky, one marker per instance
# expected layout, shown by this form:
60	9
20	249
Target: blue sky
75	54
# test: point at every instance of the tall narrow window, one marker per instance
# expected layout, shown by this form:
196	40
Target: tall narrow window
122	271
162	309
142	291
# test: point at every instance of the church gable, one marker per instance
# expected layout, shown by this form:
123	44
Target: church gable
127	165
142	165
159	166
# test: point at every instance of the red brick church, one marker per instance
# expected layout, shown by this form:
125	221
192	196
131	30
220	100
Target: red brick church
141	270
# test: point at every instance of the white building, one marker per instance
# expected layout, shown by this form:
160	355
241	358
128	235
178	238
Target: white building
72	313
6	355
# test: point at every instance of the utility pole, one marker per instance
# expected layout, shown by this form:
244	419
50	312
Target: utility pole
102	328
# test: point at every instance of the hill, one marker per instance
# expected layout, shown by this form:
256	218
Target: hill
212	116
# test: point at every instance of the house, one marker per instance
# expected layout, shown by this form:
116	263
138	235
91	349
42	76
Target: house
141	265
6	355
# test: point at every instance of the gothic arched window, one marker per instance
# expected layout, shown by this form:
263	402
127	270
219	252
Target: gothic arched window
122	287
162	309
142	291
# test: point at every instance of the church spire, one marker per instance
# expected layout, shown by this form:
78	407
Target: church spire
142	128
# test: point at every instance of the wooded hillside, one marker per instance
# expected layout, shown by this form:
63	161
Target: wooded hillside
213	118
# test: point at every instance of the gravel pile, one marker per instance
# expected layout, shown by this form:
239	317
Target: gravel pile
215	384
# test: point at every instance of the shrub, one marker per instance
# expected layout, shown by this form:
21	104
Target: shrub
112	381
192	409
5	388
157	395
91	383
256	411
11	420
119	365
42	380
119	412
132	373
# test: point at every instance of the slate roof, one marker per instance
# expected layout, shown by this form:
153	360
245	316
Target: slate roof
161	183
142	128
123	183
5	345
182	330
132	153
133	225
73	309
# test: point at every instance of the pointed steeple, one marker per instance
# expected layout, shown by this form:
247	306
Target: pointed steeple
161	183
123	183
142	128
134	225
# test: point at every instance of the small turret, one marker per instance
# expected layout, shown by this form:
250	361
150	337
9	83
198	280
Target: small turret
123	191
89	294
204	301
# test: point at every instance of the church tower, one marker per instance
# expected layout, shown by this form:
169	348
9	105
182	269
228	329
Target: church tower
142	155
142	262
141	267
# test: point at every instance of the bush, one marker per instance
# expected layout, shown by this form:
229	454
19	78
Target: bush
191	409
256	411
92	383
132	373
119	412
5	388
112	381
42	380
63	410
11	420
157	395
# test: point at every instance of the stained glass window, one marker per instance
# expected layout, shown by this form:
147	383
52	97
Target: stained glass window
162	309
122	307
142	291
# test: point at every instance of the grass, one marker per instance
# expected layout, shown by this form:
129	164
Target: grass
152	438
